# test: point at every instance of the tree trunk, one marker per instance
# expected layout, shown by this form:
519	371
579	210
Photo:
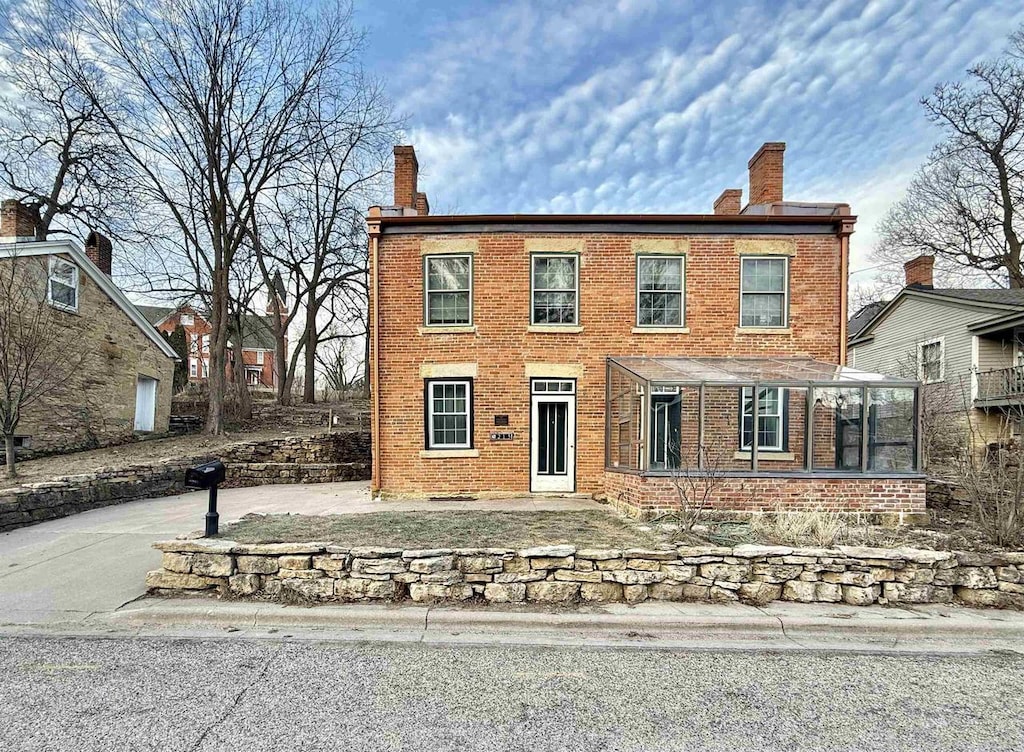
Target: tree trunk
366	366
309	384
242	398
12	471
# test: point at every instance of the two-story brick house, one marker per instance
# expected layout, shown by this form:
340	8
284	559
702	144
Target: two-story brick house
258	341
121	381
610	355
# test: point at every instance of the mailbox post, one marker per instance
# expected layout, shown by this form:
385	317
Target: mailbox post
207	476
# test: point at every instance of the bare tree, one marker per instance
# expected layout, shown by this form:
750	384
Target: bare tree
964	205
38	354
211	100
314	230
56	155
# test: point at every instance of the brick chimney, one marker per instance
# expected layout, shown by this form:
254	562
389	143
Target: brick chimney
765	171
422	205
407	170
100	251
729	201
17	220
919	272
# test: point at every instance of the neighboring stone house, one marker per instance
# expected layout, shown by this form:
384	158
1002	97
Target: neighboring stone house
612	355
258	342
123	385
966	345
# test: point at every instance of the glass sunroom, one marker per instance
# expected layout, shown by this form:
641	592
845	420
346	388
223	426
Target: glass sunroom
758	416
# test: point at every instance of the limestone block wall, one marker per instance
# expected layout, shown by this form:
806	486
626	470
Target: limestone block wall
567	574
97	406
307	459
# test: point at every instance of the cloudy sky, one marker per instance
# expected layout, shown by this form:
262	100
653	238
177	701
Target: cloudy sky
656	105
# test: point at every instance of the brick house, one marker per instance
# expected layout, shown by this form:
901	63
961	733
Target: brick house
123	385
618	355
258	342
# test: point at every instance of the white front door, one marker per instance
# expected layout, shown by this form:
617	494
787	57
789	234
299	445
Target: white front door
145	404
553	436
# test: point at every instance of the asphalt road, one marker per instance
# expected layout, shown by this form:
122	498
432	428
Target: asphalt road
234	694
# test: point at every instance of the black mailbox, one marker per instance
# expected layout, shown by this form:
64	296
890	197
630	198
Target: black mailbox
205	476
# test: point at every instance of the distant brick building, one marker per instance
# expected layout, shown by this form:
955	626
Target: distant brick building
258	342
606	355
123	384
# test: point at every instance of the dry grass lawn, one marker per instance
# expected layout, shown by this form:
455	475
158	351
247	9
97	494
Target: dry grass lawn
448	529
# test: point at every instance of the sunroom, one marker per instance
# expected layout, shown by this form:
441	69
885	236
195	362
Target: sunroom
786	417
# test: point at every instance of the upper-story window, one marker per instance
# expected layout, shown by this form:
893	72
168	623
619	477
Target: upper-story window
448	296
764	287
659	291
930	361
554	289
62	287
187	319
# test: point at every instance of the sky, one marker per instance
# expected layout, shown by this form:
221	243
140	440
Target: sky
655	106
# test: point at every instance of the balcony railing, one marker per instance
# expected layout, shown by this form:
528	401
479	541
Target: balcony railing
1001	384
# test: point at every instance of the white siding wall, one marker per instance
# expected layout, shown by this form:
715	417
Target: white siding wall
893	351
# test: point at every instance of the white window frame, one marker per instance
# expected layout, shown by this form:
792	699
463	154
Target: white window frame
681	291
427	291
784	292
781	415
187	319
575	291
193	368
76	286
468	385
253	376
205	343
259	357
941	342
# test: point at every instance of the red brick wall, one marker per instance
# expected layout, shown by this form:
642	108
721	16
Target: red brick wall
875	495
501	345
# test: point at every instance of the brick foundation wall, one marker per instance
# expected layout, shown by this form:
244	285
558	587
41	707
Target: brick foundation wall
501	345
642	495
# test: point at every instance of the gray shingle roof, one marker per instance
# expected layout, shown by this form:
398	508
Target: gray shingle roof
1003	297
154	314
863	317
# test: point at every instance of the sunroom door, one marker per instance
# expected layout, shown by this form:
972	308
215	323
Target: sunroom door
553	436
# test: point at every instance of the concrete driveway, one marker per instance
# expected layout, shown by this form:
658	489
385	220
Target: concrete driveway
94	562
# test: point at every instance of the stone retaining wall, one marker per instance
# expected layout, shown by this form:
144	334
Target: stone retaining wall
565	574
308	459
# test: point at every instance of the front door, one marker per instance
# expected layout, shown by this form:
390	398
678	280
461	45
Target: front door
145	403
553	436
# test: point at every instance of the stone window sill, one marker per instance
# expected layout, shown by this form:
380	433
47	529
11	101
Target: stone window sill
766	456
448	454
784	331
554	329
661	330
460	329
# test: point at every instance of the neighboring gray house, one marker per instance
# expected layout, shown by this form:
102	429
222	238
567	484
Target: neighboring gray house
966	345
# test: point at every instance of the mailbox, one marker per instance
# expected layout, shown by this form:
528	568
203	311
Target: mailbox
205	476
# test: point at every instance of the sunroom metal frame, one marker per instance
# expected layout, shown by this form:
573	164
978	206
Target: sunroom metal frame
704	372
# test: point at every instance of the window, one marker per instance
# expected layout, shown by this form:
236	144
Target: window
659	291
187	319
555	289
63	284
770	428
206	343
448	299
193	367
252	376
763	286
449	415
930	361
259	357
